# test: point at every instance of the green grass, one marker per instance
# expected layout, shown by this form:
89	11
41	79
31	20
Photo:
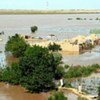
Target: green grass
84	71
95	31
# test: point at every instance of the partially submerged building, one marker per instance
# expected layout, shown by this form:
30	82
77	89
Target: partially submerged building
76	44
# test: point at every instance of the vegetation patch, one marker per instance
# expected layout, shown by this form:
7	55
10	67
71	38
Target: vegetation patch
80	71
34	29
16	45
78	18
57	96
95	31
37	68
54	47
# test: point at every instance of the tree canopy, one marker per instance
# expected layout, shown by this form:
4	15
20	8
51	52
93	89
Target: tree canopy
38	69
54	47
16	45
34	28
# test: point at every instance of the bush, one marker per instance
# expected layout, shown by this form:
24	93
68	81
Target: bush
81	71
78	18
57	96
97	18
34	29
11	75
59	72
67	83
38	68
66	66
57	57
16	45
54	47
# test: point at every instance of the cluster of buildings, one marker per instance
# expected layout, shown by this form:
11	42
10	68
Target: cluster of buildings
76	44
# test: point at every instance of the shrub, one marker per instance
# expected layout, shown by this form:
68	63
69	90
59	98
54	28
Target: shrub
16	45
11	75
67	83
59	72
34	29
38	68
57	96
81	71
97	18
66	66
78	18
54	47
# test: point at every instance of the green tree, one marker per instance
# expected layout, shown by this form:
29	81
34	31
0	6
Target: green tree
57	96
54	47
16	45
11	74
34	28
59	72
38	69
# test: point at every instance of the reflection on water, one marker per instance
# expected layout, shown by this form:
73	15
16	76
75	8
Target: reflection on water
87	58
18	93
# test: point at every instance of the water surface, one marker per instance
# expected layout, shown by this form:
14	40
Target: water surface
57	24
18	93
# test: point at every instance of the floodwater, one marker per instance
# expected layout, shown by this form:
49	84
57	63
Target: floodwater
8	92
57	24
87	58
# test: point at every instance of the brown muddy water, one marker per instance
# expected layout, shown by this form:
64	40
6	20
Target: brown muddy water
18	93
57	24
8	92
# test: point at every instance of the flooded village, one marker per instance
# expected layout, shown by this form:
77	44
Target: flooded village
79	48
